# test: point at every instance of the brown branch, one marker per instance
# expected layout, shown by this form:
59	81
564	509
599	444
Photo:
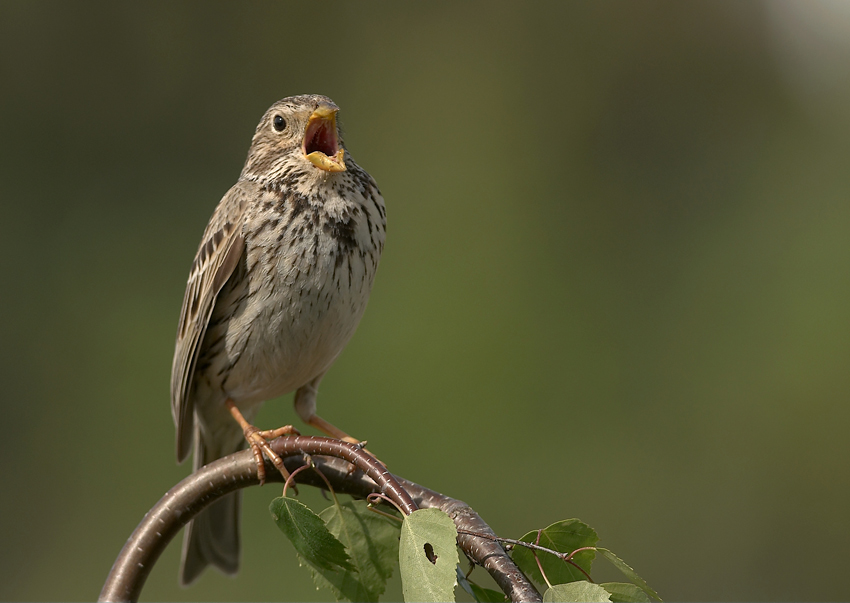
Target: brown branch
190	496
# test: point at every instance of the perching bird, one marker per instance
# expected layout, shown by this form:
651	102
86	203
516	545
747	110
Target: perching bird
277	288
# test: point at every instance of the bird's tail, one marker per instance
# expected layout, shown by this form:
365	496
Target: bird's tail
211	538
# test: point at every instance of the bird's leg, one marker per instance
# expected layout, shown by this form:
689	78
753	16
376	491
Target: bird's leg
305	406
332	430
259	442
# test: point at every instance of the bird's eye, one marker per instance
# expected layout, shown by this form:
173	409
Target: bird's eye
279	123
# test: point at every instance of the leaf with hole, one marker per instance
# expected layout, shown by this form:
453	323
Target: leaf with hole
581	591
565	537
309	535
427	556
371	541
628	572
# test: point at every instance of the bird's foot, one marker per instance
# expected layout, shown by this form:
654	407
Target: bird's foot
259	440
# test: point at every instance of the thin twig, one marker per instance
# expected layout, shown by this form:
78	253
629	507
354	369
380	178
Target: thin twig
567	557
529	545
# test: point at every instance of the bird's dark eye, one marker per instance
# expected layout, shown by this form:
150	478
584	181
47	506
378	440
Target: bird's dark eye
279	123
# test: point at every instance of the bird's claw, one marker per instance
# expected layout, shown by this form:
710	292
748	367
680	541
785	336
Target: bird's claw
259	442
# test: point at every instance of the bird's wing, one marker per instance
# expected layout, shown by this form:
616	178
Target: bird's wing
221	248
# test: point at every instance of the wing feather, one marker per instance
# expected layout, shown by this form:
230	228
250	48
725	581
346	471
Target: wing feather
221	248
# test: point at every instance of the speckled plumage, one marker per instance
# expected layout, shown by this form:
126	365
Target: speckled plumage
277	288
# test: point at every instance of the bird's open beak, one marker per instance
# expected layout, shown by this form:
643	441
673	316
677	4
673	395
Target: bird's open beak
321	144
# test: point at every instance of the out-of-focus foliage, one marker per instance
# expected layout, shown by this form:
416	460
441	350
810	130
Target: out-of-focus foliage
616	284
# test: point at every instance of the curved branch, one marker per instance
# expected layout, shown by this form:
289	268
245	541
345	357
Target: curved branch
236	471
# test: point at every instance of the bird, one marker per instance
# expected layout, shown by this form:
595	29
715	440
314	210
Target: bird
278	286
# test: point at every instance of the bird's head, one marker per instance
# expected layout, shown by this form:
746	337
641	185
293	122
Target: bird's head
297	136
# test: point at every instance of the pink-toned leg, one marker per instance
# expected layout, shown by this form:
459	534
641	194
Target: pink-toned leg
259	442
331	430
305	406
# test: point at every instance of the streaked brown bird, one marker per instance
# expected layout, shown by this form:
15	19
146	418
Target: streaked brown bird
277	288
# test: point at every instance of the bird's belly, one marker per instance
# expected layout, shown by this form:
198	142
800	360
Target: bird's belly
285	353
295	322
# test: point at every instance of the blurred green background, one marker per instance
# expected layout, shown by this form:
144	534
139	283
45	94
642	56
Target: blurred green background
615	287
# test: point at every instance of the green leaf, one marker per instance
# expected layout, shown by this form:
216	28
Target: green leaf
487	595
625	593
565	537
481	595
427	556
309	535
576	592
628	572
464	583
372	544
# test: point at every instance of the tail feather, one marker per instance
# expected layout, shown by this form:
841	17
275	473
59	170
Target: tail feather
211	538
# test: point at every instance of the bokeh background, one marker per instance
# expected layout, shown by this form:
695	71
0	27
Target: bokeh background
616	284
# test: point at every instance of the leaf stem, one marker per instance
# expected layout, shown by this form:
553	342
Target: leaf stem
325	479
385	514
537	559
289	480
377	497
579	550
